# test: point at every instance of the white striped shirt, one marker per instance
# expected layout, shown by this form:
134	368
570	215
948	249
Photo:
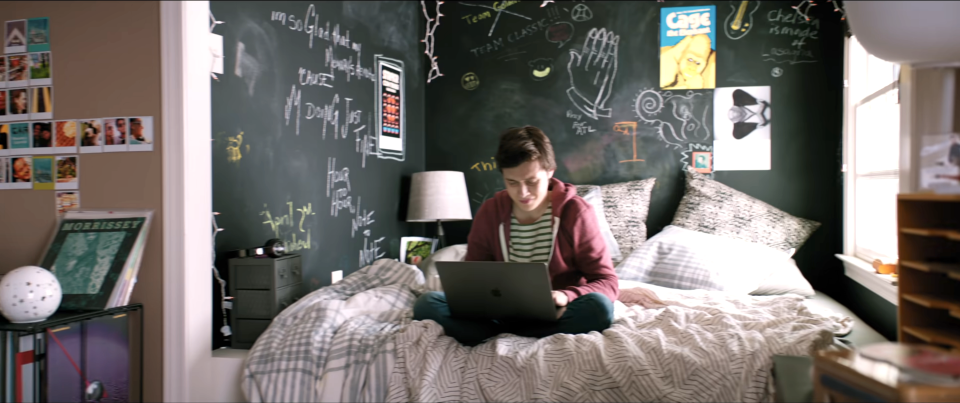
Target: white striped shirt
531	243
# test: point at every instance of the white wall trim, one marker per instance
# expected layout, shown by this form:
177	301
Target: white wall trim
185	61
862	272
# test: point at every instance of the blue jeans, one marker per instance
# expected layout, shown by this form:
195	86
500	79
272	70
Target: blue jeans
593	311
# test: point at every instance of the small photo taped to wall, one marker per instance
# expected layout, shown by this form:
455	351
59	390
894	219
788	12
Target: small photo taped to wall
18	104
115	134
4	140
15	36
41	69
43	174
3	73
4	173
91	136
68	172
64	137
67	201
18	70
21	172
141	133
21	142
38	34
42	133
41	102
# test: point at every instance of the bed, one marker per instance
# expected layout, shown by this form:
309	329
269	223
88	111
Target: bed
703	315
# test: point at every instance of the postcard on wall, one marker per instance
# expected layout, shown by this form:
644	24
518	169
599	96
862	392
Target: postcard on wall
4	113
4	139
414	250
43	175
20	139
41	68
91	136
141	133
21	172
41	102
688	47
18	105
114	134
5	178
390	108
3	75
68	172
67	201
940	162
65	137
18	70
15	36
741	128
42	137
38	34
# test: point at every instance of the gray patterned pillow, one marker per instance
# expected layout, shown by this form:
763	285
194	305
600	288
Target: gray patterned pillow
626	205
592	194
711	207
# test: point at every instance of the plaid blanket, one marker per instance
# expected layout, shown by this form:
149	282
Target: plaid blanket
355	341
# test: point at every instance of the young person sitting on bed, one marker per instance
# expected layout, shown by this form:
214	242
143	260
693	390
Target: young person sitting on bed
537	218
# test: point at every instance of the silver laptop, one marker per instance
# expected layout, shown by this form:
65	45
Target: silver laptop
498	290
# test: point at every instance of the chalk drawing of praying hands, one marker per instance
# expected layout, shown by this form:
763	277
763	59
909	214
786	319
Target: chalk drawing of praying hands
592	71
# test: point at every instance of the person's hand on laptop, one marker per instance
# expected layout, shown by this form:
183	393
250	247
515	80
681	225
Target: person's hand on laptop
559	298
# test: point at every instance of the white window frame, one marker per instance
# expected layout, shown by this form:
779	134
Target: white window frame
855	266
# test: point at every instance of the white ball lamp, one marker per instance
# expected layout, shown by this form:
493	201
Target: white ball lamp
29	294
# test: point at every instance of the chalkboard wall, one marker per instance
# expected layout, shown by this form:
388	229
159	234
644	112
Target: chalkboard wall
495	58
296	151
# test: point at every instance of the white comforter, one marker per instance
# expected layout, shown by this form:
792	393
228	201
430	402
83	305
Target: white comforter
355	341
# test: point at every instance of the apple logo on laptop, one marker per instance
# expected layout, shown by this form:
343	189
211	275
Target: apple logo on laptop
495	292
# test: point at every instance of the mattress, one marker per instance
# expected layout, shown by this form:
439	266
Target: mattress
792	374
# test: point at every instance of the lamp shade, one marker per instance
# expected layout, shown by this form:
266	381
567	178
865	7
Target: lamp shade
438	196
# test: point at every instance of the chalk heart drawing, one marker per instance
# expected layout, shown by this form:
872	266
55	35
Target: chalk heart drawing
592	72
677	117
776	72
540	68
560	33
470	81
581	13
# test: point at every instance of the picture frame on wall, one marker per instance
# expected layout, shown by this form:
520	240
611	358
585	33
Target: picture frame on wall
414	249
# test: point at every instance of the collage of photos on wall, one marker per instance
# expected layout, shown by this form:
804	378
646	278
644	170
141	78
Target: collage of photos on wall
32	140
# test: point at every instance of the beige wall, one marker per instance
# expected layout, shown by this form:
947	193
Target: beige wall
106	62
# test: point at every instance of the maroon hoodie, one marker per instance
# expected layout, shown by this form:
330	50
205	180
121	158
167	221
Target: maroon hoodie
579	262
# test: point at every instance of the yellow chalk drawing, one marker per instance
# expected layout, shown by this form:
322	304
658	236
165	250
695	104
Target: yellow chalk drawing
278	223
485	166
630	129
233	147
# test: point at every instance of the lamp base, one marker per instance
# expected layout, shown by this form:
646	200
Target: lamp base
441	236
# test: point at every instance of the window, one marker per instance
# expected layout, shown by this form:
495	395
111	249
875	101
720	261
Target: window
871	155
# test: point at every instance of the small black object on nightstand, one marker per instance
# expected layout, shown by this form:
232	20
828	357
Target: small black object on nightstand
261	287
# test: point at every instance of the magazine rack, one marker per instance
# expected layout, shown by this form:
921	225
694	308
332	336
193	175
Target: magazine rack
71	353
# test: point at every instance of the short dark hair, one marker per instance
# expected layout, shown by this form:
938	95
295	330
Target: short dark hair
521	144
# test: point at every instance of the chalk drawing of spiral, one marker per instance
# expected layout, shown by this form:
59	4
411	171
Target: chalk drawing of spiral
649	104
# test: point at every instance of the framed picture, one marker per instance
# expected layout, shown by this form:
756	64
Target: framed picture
414	249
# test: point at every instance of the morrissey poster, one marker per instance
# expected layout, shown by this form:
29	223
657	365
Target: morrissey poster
688	48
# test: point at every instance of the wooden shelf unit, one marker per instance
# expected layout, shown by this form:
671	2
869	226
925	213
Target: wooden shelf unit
928	232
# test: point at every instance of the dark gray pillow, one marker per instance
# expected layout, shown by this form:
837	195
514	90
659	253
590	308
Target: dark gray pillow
626	205
592	194
711	207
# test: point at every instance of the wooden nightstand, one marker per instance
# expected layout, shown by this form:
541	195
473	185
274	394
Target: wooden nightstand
844	376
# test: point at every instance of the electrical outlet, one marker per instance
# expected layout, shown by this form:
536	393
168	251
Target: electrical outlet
336	276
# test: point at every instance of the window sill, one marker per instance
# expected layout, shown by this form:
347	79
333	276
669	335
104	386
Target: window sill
862	272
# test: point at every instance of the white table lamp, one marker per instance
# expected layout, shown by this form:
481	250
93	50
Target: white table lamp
438	196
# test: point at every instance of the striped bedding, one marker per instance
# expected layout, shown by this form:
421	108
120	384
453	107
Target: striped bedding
355	341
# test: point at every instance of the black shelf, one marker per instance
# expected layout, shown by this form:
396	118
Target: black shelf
62	318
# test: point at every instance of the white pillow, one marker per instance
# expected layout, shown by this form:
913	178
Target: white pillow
452	253
785	279
685	259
